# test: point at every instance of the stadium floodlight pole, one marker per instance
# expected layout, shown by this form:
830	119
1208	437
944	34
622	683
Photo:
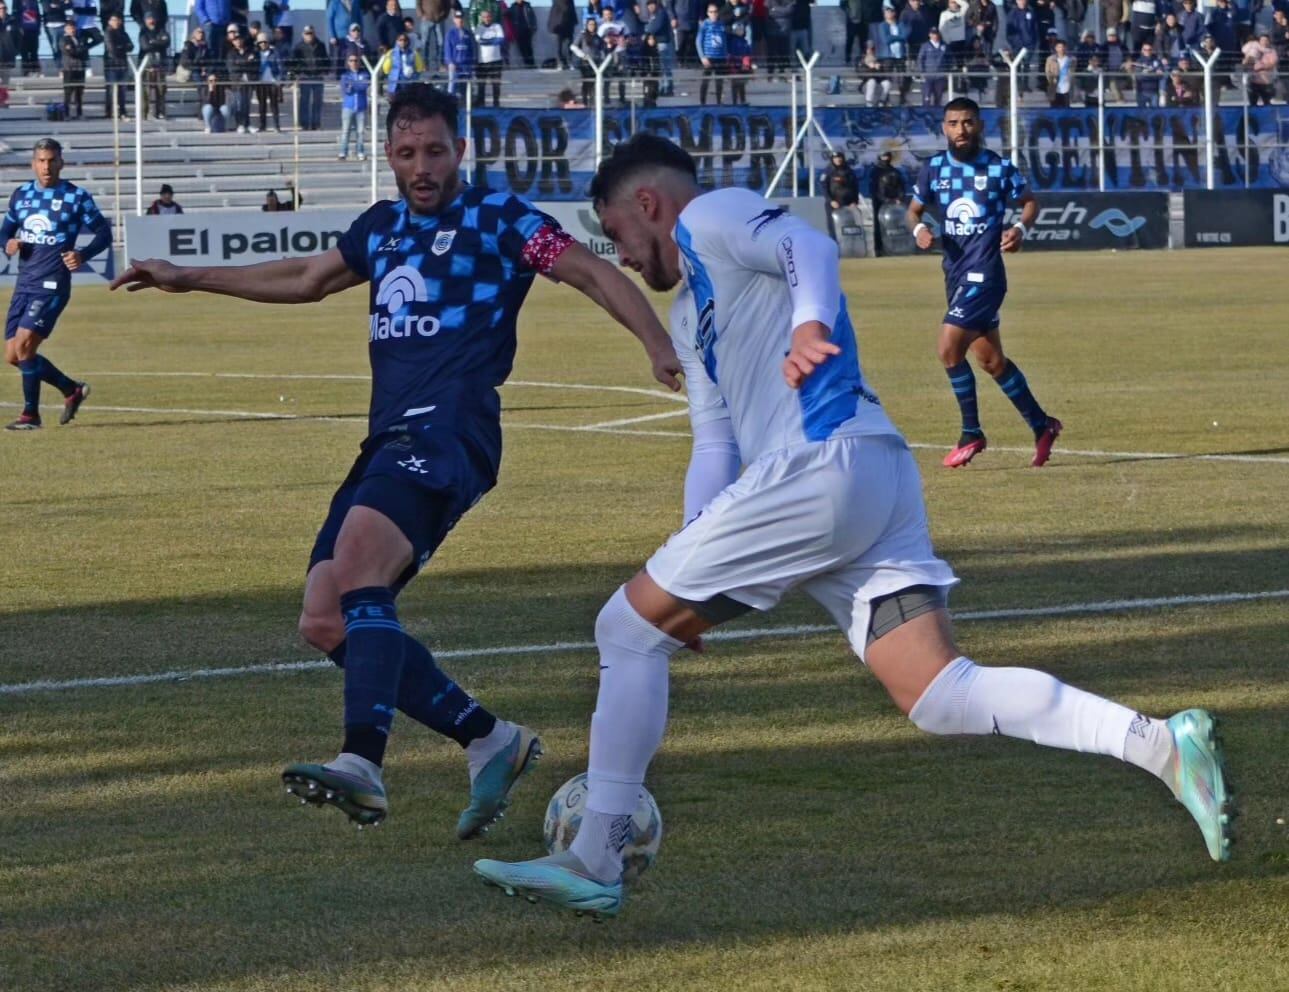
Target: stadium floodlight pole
373	101
138	70
1101	131
599	106
803	132
1013	71
1208	111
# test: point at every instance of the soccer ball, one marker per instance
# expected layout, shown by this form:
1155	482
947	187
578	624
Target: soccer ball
564	818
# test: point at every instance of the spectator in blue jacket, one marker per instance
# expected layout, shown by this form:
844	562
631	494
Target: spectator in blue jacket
713	53
658	25
341	14
1221	25
1148	72
1192	25
933	64
460	53
355	85
214	16
685	14
1022	32
917	20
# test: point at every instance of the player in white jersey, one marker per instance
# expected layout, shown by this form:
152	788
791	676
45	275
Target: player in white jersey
829	500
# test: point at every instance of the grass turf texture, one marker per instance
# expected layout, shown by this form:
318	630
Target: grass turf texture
814	839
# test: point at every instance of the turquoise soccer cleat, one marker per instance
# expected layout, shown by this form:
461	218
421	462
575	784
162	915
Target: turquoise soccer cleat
556	879
490	790
362	800
1200	783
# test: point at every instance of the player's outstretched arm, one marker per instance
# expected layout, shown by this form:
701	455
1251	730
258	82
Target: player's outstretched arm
607	286
288	280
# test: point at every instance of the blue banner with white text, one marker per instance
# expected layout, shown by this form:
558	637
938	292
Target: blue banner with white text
549	155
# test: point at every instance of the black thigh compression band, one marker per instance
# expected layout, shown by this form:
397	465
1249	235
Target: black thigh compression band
888	612
718	609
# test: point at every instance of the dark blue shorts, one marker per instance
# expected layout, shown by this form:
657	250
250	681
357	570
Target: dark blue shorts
423	479
39	311
974	306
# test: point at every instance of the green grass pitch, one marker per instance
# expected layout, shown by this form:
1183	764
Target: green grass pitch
814	838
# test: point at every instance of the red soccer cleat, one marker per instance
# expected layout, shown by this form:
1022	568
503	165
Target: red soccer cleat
1044	440
25	422
73	402
965	451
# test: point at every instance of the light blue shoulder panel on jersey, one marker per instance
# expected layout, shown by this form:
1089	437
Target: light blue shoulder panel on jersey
700	283
831	395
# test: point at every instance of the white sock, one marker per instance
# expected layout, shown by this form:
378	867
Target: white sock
1021	702
481	750
356	765
626	729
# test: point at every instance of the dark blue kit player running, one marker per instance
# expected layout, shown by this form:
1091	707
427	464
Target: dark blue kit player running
44	219
449	267
970	188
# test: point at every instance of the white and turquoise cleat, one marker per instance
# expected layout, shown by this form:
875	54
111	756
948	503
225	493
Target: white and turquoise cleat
490	790
557	879
1200	784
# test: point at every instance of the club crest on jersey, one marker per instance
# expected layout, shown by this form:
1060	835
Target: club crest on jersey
55	204
442	242
982	183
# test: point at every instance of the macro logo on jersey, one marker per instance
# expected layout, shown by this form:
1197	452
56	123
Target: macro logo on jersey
35	231
963	216
399	292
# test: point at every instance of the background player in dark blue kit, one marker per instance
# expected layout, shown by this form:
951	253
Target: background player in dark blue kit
449	267
44	218
970	187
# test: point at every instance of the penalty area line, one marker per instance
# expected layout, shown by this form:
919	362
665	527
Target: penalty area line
562	647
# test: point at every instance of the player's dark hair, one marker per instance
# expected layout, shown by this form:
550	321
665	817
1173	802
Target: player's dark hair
964	103
48	145
418	102
643	150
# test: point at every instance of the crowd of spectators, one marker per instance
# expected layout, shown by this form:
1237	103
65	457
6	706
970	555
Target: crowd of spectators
1074	50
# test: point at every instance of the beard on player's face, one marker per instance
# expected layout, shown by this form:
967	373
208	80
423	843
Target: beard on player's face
657	275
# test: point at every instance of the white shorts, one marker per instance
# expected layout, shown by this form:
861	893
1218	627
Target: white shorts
843	519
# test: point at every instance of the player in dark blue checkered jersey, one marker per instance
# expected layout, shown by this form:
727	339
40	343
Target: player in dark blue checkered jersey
449	268
44	219
970	188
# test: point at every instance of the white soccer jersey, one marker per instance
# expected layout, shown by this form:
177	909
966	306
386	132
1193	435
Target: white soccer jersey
755	273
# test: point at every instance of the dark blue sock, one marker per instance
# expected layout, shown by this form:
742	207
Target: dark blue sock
1013	383
50	373
428	696
374	655
963	381
30	369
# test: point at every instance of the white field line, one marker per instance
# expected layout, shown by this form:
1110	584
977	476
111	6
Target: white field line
604	427
610	427
562	647
635	390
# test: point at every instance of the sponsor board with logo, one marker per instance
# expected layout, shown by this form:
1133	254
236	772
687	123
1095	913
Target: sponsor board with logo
1218	218
1090	221
1074	221
235	237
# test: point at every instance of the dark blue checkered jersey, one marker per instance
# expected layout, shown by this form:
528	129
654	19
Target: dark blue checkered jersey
971	200
48	222
445	294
